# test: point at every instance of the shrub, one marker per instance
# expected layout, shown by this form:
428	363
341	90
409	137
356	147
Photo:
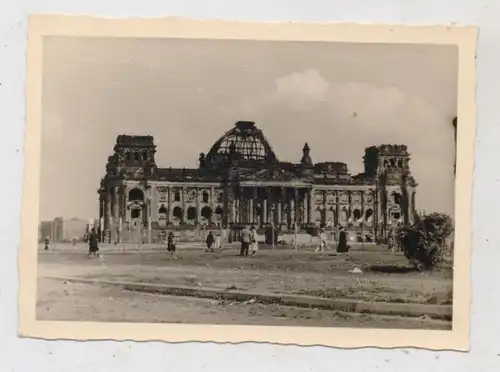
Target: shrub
424	243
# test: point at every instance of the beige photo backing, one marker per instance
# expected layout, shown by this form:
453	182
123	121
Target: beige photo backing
463	37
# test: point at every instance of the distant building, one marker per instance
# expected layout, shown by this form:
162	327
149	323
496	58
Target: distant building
46	230
61	229
241	181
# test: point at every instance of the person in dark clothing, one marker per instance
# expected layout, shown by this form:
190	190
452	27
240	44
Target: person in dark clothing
46	242
171	243
342	246
93	243
210	241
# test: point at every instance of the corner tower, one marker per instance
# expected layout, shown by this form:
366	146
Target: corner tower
390	160
134	156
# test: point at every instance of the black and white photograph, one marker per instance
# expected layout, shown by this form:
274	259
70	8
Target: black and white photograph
249	182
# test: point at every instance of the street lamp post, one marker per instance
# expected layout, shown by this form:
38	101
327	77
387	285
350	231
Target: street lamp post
272	225
149	219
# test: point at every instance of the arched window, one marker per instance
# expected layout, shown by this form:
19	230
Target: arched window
136	195
135	213
368	213
128	156
144	156
191	213
396	197
177	196
356	214
219	210
136	156
177	212
163	209
205	197
206	212
343	216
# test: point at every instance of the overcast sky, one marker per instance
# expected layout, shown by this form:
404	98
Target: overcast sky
339	97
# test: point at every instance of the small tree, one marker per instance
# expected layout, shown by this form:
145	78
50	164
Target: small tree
424	242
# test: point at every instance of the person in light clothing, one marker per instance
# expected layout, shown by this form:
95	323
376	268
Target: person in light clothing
217	241
323	241
254	240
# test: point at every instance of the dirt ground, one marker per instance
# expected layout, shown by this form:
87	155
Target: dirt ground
65	301
386	276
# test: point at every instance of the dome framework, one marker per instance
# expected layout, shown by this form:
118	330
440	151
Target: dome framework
245	141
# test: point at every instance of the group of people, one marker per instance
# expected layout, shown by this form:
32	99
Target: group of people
248	239
213	242
342	246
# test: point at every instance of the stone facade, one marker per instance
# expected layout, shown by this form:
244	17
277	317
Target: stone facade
241	182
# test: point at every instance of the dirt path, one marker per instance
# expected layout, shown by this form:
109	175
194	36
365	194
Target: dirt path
305	273
58	300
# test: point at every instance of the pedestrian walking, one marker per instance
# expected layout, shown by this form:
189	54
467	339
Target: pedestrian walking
342	246
245	241
217	243
93	243
323	240
254	241
210	241
171	243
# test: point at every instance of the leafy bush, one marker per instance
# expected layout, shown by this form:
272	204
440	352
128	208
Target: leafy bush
424	242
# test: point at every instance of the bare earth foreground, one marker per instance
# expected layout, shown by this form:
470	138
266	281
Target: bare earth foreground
385	278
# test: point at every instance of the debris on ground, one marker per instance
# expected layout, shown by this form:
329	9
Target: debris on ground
356	270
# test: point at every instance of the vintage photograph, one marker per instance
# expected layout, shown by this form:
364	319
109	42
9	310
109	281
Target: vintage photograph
231	181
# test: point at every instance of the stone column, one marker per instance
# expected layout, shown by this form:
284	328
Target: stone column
170	204
106	211
251	207
124	201
198	208
237	208
116	214
183	200
292	207
349	203
279	210
233	211
324	217
411	206
264	211
212	205
241	206
309	205
305	206
256	217
337	208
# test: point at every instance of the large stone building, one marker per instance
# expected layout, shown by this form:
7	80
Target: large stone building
241	181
